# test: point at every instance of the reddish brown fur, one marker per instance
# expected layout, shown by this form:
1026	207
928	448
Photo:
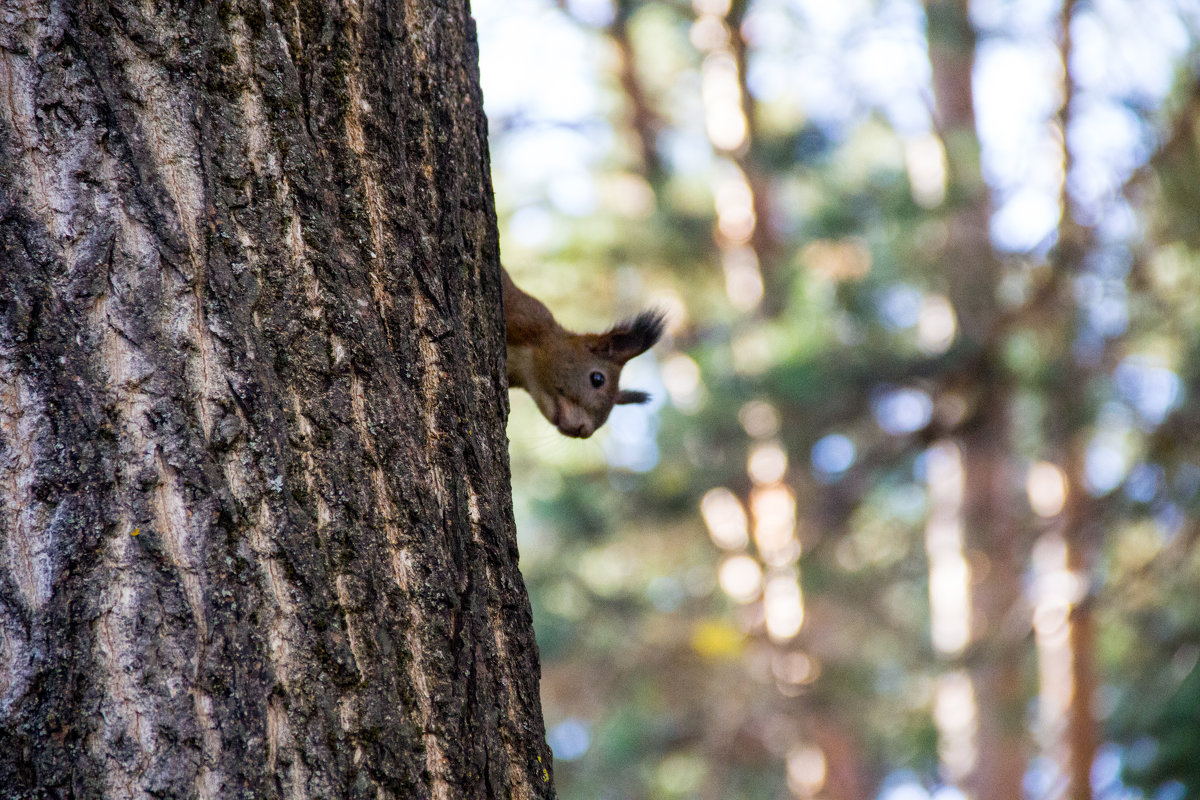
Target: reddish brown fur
558	367
526	319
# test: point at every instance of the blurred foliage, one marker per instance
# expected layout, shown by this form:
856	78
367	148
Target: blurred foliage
657	681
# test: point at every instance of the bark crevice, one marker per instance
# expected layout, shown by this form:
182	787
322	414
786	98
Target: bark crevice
255	537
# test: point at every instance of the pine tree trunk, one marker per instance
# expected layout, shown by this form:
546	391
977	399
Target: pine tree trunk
256	537
991	526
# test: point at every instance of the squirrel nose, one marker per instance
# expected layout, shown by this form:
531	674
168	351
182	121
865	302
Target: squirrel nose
580	431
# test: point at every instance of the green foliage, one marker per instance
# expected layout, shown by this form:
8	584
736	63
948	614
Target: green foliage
673	680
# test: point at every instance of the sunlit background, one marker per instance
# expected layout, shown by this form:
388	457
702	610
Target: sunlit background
913	512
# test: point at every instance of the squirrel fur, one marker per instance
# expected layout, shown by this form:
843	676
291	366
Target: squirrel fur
573	378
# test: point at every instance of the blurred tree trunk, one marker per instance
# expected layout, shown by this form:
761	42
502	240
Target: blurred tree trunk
1082	541
1080	530
256	531
644	121
764	239
847	770
991	528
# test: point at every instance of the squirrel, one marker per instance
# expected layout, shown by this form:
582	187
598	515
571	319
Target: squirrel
572	377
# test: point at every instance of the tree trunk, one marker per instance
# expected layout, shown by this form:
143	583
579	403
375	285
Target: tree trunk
256	537
990	522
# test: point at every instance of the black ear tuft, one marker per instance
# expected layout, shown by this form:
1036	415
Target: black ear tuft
627	397
634	337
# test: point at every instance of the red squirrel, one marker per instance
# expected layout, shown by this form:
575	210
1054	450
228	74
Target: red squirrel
573	377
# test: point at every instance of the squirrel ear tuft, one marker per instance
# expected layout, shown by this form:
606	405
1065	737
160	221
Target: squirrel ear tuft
631	337
627	397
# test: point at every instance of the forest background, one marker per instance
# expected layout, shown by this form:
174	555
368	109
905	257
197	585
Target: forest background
913	512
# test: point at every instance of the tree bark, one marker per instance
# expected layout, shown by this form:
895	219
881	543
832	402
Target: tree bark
256	536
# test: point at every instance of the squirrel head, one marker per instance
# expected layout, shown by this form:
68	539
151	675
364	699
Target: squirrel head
575	378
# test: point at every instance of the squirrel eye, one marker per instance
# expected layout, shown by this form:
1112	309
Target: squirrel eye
597	379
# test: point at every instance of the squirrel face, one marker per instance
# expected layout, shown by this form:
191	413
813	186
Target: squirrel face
575	378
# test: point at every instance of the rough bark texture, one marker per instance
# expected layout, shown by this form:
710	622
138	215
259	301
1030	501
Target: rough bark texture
255	531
